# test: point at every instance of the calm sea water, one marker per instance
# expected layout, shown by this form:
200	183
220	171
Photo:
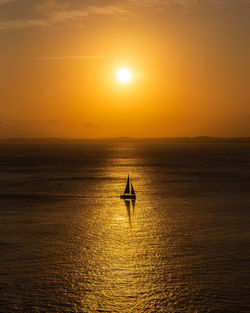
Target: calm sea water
70	244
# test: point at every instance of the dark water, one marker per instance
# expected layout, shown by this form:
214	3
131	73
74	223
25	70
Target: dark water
70	244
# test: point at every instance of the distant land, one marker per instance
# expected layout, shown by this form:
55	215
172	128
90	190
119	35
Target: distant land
198	139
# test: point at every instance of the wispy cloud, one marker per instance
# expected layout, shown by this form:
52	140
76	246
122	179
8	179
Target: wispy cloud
59	15
47	123
55	12
91	125
51	4
6	1
62	16
73	57
5	122
55	58
12	24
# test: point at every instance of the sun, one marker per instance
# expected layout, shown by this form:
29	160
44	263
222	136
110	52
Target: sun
124	75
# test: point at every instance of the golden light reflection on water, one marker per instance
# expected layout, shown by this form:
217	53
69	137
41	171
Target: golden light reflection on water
89	251
121	261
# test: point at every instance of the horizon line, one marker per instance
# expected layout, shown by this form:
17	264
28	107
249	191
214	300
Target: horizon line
124	138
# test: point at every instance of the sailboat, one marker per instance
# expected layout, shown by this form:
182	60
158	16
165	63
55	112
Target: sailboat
129	193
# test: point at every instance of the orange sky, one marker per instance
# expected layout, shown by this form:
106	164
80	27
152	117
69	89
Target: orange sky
190	64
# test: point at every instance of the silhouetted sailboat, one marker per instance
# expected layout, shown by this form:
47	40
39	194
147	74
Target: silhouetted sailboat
128	193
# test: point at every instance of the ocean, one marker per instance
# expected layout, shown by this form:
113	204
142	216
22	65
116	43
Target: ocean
68	242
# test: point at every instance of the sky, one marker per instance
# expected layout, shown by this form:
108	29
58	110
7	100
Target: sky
189	61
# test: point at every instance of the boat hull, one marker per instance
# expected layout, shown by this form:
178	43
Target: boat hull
128	196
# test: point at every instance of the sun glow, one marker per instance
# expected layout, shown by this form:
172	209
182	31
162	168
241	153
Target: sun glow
124	75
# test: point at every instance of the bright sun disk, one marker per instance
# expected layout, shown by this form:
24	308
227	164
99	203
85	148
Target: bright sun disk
124	75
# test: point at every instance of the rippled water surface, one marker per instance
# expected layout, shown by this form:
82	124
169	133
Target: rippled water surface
70	244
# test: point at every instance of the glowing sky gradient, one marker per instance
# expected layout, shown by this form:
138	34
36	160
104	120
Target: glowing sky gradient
189	59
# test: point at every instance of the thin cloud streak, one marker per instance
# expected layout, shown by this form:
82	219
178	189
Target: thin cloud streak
55	58
73	57
58	13
51	4
14	24
51	123
91	125
6	1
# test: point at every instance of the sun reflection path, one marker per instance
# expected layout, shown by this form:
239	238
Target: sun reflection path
124	267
